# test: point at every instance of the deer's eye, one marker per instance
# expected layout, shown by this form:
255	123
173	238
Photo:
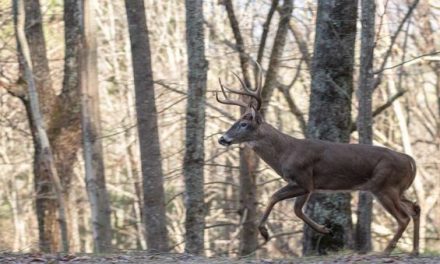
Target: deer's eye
243	124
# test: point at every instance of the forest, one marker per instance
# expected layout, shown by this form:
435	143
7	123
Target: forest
111	114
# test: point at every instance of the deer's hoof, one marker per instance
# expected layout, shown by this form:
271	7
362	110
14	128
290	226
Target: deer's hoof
387	252
324	230
264	233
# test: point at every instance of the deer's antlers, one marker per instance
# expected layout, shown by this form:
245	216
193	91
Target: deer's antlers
255	94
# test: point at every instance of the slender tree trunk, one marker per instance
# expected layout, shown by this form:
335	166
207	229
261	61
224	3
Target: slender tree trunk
365	119
64	125
248	159
45	204
61	115
277	51
154	197
404	126
195	129
45	161
248	201
330	115
91	133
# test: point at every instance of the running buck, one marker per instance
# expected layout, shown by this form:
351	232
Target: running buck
309	165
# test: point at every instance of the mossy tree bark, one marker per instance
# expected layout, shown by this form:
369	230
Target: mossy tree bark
195	129
330	115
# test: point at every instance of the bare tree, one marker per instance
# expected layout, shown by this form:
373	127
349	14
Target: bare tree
195	128
45	161
248	159
91	133
330	114
365	118
45	205
60	114
154	197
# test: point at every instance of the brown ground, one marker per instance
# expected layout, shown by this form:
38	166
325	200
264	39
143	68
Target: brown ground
35	258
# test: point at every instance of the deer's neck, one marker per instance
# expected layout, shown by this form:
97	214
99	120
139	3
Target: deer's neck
271	146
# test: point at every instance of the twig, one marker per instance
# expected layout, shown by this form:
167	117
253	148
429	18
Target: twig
393	40
407	61
169	87
382	108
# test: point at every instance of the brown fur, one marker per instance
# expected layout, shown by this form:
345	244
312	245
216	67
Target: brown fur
314	165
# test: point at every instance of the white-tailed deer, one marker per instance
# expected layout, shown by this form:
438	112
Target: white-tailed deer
309	165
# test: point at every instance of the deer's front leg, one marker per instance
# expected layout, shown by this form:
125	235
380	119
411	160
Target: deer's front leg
299	205
288	191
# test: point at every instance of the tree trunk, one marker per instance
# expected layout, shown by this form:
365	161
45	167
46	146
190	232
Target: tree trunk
64	126
330	115
365	119
154	197
195	128
248	159
45	160
248	201
275	56
91	133
45	204
61	115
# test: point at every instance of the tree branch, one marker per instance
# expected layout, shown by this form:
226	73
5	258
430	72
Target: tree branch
277	50
266	27
383	107
221	111
239	43
407	61
294	109
393	40
301	44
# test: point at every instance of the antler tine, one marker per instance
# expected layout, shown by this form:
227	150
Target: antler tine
223	89
243	85
248	91
227	100
260	78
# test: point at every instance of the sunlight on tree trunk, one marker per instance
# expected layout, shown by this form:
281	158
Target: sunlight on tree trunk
91	133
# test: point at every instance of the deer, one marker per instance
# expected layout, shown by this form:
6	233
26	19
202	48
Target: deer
311	165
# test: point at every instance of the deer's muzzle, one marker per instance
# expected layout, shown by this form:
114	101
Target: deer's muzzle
224	141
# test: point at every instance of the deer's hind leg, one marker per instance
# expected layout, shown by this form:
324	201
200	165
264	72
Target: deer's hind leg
391	201
414	211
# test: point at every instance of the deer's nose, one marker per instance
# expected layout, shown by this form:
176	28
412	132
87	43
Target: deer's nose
222	141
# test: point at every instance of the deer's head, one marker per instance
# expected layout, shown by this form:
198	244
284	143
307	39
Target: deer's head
247	127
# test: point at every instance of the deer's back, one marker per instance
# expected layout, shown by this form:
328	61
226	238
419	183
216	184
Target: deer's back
338	166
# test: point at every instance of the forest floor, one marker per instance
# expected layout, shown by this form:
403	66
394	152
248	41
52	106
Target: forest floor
34	258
